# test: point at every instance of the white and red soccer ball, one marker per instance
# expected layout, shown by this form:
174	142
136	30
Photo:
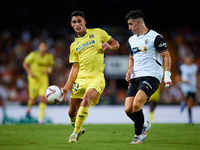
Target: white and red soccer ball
54	94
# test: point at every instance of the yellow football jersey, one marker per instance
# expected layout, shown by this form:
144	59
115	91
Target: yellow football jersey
88	52
39	64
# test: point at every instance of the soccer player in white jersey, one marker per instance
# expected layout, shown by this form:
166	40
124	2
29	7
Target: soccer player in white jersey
148	52
188	76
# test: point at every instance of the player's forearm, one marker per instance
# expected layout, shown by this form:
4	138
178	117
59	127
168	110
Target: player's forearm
114	45
72	76
26	68
166	60
130	63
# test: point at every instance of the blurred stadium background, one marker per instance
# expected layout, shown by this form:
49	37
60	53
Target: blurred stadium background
23	24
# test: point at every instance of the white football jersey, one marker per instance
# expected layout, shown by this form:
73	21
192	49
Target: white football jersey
189	73
145	50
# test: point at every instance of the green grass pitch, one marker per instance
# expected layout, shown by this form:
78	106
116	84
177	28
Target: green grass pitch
99	137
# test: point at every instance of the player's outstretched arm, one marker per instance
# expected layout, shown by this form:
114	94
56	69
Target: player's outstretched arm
112	44
167	66
72	77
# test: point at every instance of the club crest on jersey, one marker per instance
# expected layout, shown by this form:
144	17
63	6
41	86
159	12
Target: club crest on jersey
91	36
146	41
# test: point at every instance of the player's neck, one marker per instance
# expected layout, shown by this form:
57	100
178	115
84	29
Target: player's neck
79	34
143	31
41	53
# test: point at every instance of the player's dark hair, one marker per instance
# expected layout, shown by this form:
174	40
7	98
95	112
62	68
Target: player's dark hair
43	41
77	13
189	55
135	14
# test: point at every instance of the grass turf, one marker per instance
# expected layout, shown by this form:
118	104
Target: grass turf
99	137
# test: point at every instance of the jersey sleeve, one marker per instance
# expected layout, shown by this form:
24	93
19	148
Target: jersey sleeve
179	70
29	59
104	36
129	49
51	58
73	57
160	44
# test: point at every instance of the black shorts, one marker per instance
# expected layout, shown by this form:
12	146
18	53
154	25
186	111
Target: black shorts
190	94
147	84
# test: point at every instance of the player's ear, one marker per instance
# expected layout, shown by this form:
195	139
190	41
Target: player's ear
138	21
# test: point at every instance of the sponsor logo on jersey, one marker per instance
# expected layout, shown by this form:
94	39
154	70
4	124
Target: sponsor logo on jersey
135	50
139	49
162	45
85	46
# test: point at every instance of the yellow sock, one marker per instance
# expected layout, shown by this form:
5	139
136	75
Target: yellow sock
42	107
73	120
29	105
151	116
82	115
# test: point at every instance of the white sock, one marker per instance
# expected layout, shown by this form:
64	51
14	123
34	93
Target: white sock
139	136
145	124
76	134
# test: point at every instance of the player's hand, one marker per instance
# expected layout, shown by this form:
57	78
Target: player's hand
49	70
105	46
65	91
168	84
128	76
31	75
167	79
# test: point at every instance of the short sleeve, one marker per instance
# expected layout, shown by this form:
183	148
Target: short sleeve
29	59
160	44
104	36
73	57
51	60
129	49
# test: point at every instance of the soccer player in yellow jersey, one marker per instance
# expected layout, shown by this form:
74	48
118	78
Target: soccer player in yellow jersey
38	64
86	75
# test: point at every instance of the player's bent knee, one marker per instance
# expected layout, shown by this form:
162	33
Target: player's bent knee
72	113
85	103
136	107
128	110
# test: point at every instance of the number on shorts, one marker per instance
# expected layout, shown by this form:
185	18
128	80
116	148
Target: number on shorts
75	86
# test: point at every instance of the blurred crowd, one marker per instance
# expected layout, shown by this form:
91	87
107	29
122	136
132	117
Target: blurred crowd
16	45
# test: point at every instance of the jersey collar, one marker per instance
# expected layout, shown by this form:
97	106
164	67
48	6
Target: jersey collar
83	35
145	33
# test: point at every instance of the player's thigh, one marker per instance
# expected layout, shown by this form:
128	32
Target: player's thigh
90	94
94	89
148	85
44	84
33	86
139	101
79	88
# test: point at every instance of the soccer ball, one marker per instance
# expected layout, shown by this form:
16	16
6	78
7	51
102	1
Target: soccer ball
54	94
